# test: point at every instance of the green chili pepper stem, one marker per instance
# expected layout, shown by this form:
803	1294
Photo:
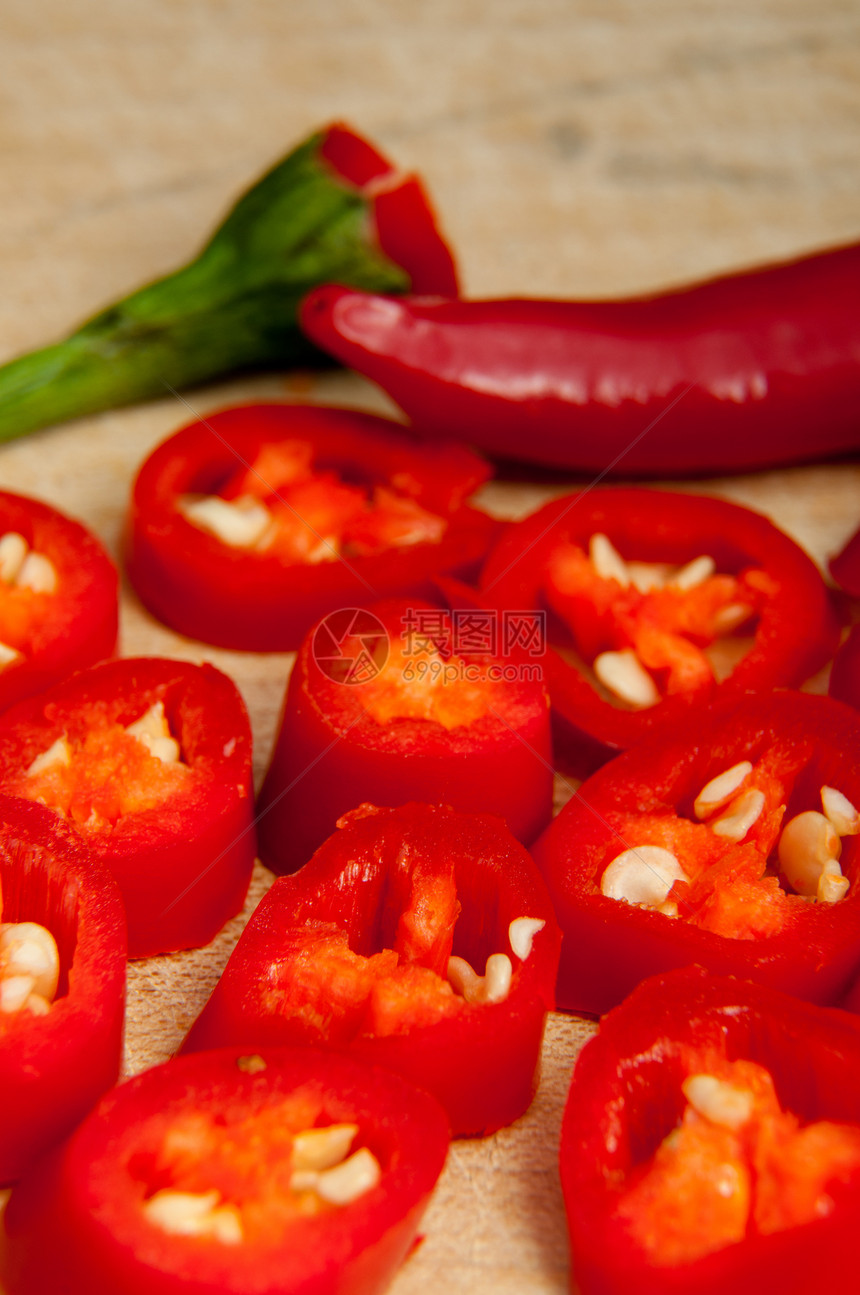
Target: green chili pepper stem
232	308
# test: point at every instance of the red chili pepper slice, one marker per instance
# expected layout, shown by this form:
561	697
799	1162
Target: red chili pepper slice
740	372
845	566
381	707
333	507
845	674
785	628
803	1196
149	761
59	1055
353	952
208	1174
744	890
58	598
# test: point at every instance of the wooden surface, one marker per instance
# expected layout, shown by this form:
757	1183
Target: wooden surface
573	147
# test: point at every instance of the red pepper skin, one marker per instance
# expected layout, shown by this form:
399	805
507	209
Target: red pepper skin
608	946
740	372
237	598
82	626
845	566
845	674
481	1065
183	867
625	1098
75	1224
54	1068
403	217
796	634
331	755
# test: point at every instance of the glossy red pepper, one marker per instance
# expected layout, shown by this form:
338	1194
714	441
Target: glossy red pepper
54	1066
845	566
168	808
790	632
625	1098
845	673
646	797
353	951
740	372
381	706
350	509
58	598
100	1216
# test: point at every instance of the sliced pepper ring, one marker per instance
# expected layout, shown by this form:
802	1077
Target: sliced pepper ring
796	629
480	1061
80	1223
609	946
54	1067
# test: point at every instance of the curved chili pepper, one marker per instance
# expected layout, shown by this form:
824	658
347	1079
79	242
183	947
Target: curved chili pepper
55	1066
194	1178
353	953
60	618
351	509
740	372
625	1099
793	627
378	708
647	797
149	760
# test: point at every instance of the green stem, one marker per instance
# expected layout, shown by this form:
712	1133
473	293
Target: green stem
232	308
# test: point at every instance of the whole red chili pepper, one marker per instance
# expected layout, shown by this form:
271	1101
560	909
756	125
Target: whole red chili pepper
720	902
787	632
355	951
377	710
149	760
342	507
58	598
284	1172
739	372
55	1062
626	1099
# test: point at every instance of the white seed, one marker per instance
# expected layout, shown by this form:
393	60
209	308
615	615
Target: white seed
493	987
832	886
28	949
521	934
13	550
8	655
37	573
840	812
346	1182
643	875
195	1214
730	617
239	523
322	1148
625	676
720	790
693	574
606	560
744	810
646	576
807	843
717	1101
58	753
153	731
327	550
14	992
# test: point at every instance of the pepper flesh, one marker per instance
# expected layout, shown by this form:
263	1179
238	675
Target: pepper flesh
84	1221
332	208
794	631
626	1097
416	728
608	947
356	511
54	1067
351	953
178	837
740	372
